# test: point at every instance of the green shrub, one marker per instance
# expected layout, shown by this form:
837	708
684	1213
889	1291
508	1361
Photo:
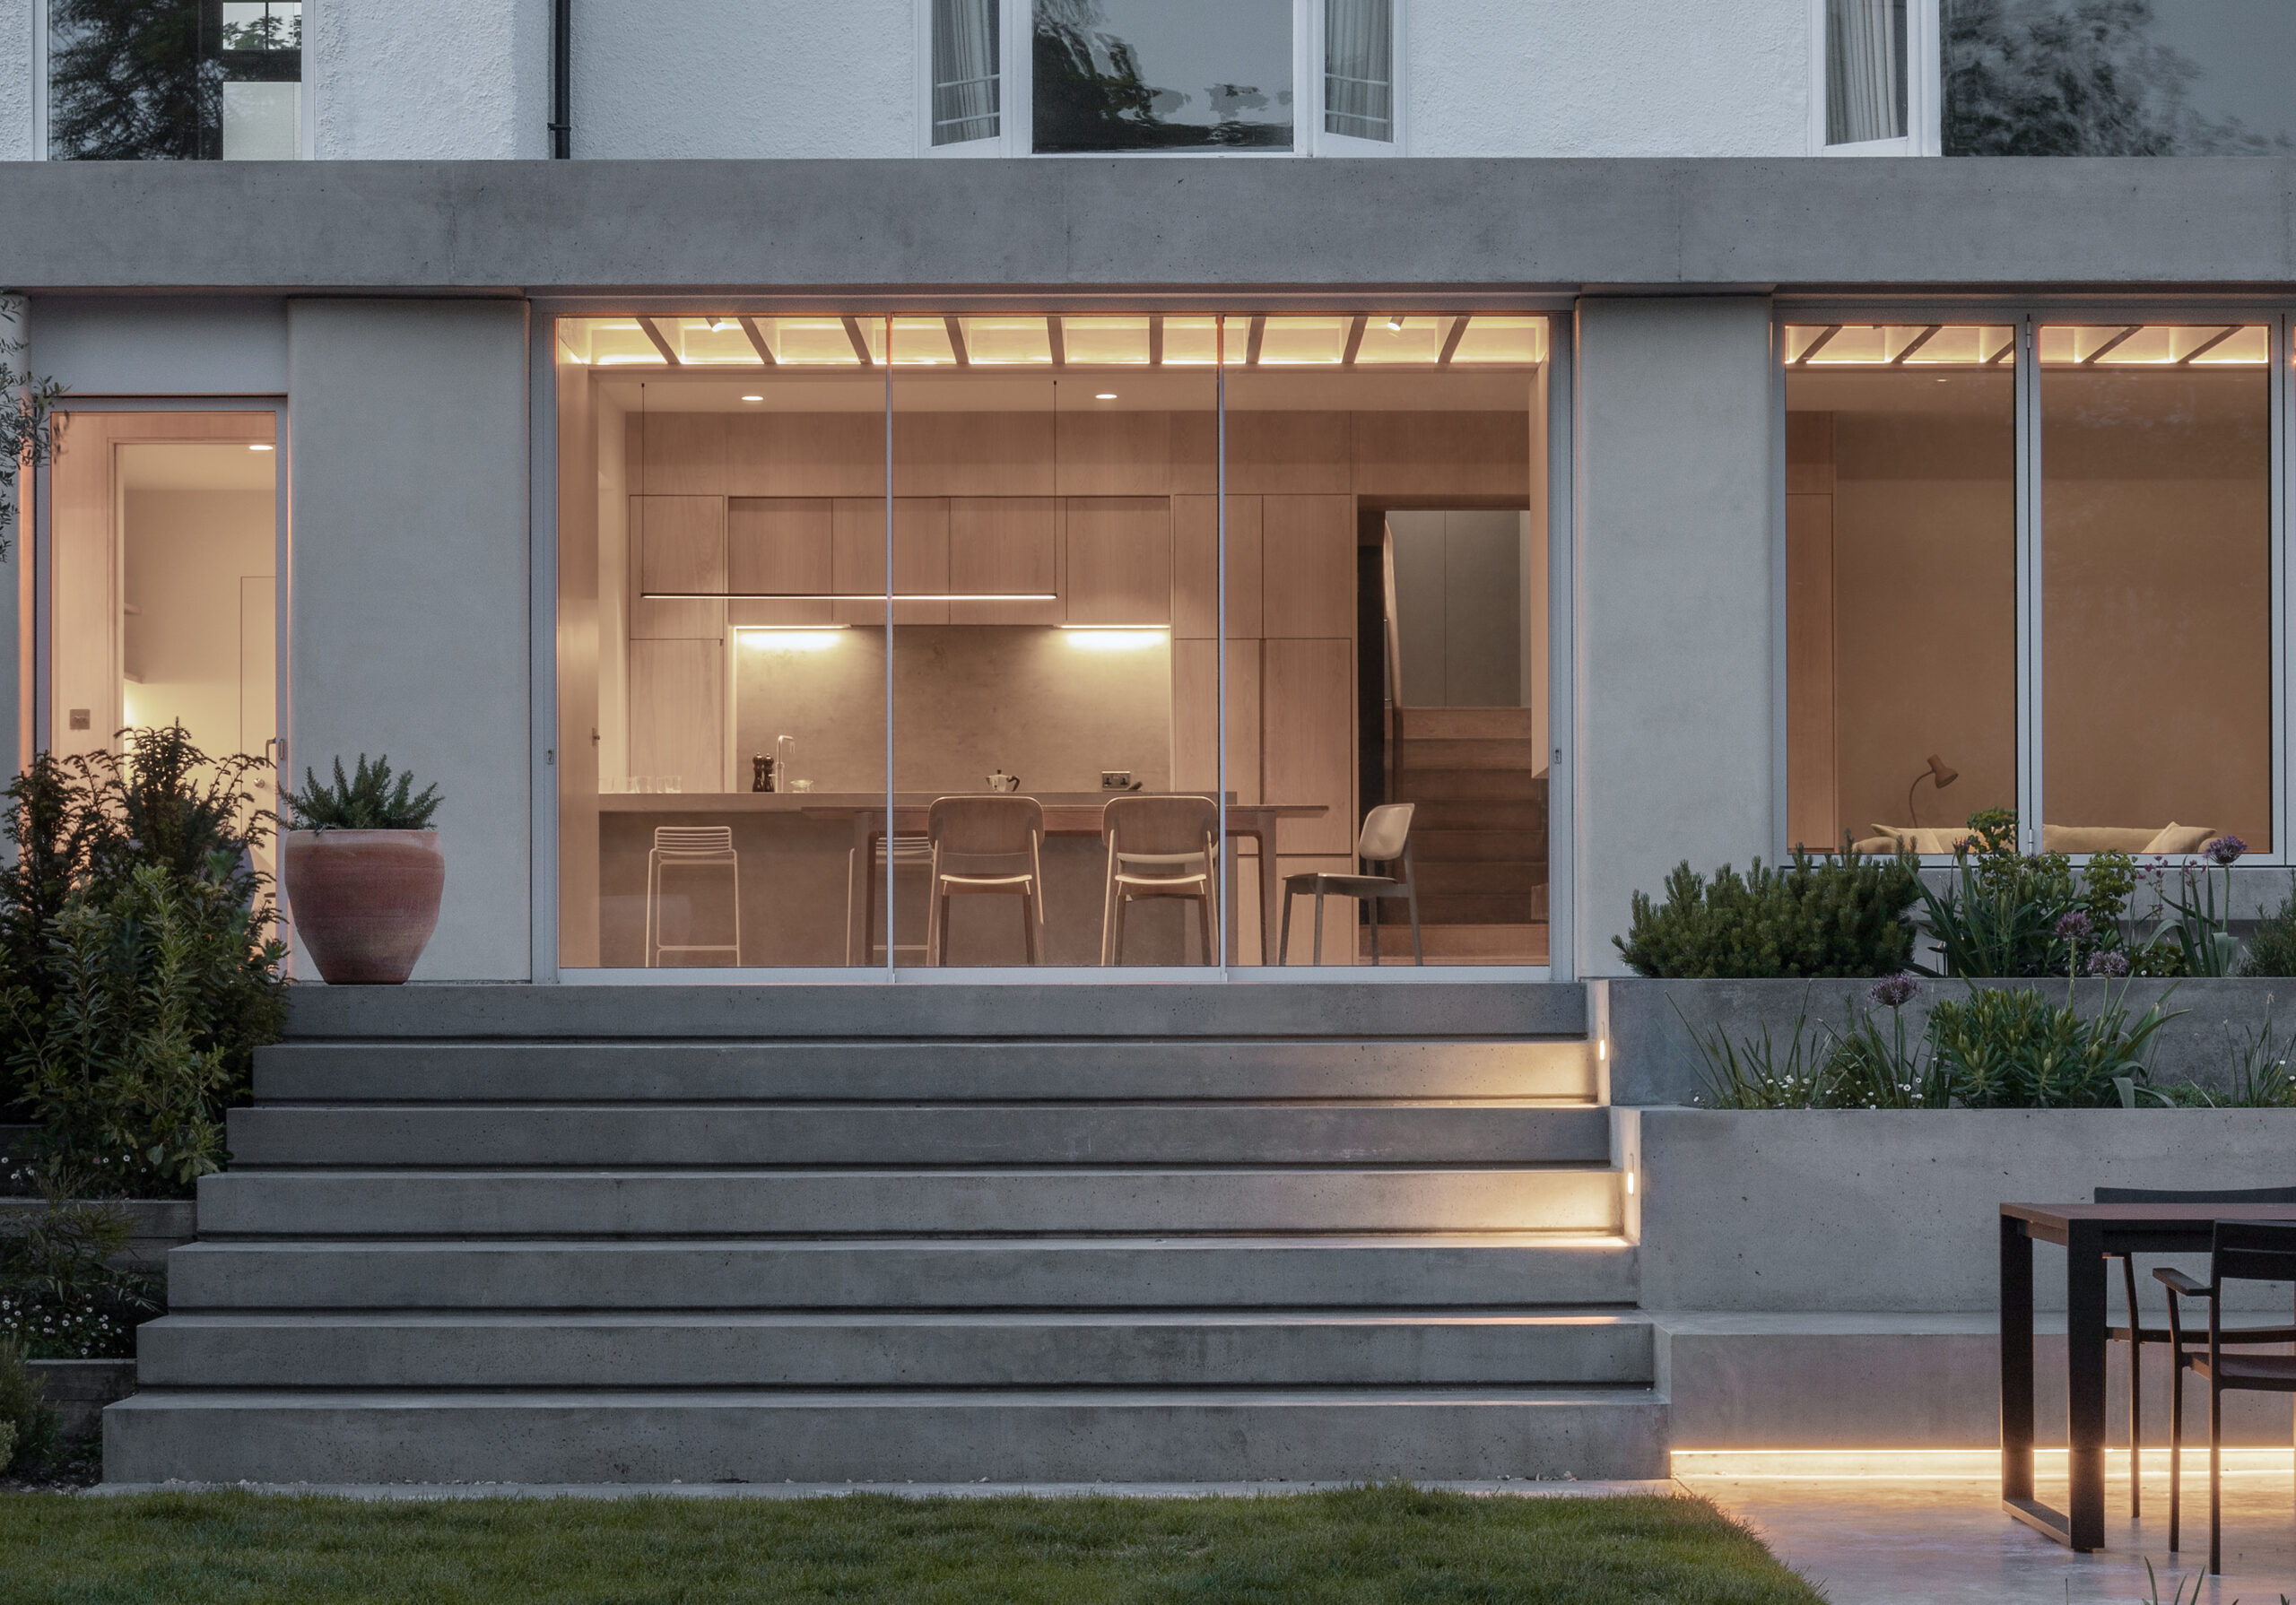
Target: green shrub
63	1293
1861	1065
138	977
366	801
28	1425
2272	945
1831	916
2008	1048
2010	914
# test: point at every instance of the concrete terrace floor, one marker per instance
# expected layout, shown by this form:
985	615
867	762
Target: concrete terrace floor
1943	1540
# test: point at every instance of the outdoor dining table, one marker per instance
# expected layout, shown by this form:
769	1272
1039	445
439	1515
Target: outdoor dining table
1254	821
2089	1233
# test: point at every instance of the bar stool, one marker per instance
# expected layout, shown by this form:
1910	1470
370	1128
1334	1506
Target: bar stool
1386	838
705	848
910	853
1176	840
985	845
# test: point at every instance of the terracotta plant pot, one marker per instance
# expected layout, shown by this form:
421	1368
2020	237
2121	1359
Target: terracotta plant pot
364	902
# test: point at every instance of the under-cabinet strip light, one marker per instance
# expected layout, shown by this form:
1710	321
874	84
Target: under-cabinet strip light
846	596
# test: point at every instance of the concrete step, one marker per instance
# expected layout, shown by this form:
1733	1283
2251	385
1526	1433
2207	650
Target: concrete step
921	1134
1040	1436
753	1349
995	1070
1466	724
925	1011
1405	1270
850	1203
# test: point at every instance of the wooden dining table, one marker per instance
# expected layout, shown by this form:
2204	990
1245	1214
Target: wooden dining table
2089	1233
1255	822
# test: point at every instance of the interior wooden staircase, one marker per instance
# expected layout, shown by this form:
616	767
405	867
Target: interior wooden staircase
1478	838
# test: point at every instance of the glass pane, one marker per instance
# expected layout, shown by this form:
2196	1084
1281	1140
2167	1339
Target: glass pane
1162	75
2156	572
1358	68
1901	582
174	80
1041	701
1396	475
966	87
721	739
1865	60
2074	78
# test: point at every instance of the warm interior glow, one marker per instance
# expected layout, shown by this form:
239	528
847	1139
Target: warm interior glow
1095	341
260	446
1121	638
1401	341
2155	345
1006	339
1515	340
1300	341
1947	1465
785	637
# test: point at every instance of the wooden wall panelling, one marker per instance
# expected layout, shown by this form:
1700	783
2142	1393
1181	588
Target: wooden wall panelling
1443	453
1119	559
576	748
685	454
806	453
1196	538
1005	543
676	544
779	545
973	453
1308	738
1109	453
920	557
1195	754
1196	451
1294	453
1813	803
1308	555
677	712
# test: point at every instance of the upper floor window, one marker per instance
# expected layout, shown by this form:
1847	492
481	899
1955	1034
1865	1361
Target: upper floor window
175	80
2118	78
1161	75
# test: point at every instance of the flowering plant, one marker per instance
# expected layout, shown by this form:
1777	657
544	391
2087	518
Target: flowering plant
2202	929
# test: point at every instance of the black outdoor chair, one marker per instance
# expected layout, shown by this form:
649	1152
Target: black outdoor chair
2137	1335
2245	1251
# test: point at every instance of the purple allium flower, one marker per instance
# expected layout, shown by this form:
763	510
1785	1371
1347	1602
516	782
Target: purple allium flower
2223	850
2114	964
1893	992
2075	925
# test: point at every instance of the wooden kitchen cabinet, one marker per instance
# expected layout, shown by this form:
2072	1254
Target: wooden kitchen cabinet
779	545
1307	545
676	544
1308	738
920	557
1119	559
1005	544
1196	557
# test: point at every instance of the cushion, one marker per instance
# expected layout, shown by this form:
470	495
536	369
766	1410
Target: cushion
2180	838
2097	838
1924	838
1883	846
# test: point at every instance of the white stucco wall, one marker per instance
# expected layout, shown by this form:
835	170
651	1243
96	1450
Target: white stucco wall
432	79
16	81
745	78
1649	78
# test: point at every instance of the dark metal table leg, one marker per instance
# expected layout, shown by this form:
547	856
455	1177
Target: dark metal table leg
2084	1342
2016	1361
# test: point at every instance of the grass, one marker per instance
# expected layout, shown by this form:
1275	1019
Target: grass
1361	1545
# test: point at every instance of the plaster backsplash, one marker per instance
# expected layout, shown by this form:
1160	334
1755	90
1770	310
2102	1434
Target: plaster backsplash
969	698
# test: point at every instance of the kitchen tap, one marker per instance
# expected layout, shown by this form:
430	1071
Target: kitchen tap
785	753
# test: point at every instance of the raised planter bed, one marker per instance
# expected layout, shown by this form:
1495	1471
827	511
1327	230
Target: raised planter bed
80	1389
159	1225
1654	1059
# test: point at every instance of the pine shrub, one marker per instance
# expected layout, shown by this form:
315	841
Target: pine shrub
1816	917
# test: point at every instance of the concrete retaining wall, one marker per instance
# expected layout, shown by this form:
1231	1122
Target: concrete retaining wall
1654	1057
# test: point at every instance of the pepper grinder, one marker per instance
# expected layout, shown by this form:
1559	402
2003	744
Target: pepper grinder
760	773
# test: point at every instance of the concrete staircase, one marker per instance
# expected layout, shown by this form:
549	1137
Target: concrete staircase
941	1233
1478	837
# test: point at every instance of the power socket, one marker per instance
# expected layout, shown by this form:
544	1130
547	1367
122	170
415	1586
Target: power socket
1116	780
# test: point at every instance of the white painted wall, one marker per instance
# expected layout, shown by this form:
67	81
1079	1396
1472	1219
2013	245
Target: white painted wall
409	587
745	78
406	79
16	144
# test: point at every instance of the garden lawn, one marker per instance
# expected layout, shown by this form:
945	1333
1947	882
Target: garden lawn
1372	1544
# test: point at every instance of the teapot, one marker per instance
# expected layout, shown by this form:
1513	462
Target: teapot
1001	782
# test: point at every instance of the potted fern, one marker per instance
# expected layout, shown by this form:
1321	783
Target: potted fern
363	873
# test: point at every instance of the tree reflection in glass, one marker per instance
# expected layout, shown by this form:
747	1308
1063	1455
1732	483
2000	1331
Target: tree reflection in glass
1162	75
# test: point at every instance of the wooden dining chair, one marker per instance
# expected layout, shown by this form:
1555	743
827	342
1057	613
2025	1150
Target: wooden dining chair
1386	839
1159	847
991	845
2137	1335
2244	1251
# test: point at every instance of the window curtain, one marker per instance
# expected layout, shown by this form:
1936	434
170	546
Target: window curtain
1864	71
1358	68
964	71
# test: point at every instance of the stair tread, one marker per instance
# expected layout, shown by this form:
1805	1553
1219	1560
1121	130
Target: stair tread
155	1399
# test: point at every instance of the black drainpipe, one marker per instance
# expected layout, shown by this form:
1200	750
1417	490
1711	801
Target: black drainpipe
562	79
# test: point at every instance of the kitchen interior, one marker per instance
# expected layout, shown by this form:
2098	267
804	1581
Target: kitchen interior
730	696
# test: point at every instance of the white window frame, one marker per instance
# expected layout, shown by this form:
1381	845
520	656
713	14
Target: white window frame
307	132
1924	87
1015	107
